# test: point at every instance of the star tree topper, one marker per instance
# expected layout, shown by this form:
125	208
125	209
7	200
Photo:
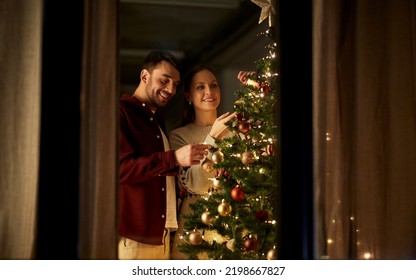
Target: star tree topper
267	10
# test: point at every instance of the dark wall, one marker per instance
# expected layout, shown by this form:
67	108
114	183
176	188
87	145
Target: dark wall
57	232
295	19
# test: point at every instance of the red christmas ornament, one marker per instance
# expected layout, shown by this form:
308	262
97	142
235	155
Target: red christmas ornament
244	126
250	243
262	215
237	193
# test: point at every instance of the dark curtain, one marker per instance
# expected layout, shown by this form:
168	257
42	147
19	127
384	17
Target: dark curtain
364	74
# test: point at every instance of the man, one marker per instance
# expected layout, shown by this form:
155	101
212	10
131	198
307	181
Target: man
147	200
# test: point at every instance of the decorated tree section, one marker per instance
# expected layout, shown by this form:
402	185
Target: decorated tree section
242	205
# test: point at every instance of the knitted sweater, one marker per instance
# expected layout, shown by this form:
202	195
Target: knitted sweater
194	180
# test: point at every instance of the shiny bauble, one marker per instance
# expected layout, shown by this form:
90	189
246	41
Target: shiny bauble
217	156
247	158
272	254
250	244
230	245
271	150
224	209
244	127
216	183
262	215
207	165
206	218
195	238
237	193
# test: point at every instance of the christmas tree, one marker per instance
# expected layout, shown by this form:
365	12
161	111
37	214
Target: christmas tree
242	205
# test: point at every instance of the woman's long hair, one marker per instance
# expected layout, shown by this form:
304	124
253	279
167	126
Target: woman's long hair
188	107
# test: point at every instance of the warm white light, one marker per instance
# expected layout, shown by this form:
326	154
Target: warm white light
367	256
328	136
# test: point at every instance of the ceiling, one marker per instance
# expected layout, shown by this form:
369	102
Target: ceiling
193	30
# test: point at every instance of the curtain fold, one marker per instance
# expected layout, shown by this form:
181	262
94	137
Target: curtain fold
20	83
99	136
364	129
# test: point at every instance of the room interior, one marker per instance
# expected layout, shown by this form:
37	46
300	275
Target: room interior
347	121
226	34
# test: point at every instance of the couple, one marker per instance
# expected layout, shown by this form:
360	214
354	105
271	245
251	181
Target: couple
150	163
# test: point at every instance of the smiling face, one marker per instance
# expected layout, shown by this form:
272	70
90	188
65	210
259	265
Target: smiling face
160	84
204	91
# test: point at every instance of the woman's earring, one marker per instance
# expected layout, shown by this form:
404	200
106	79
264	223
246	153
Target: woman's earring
190	103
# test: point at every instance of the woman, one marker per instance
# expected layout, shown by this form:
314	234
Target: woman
200	124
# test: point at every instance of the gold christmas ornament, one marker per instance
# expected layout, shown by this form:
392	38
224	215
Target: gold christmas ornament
206	218
207	165
224	209
247	158
217	156
272	254
195	238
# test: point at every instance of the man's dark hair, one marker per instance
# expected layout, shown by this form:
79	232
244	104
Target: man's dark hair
154	57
